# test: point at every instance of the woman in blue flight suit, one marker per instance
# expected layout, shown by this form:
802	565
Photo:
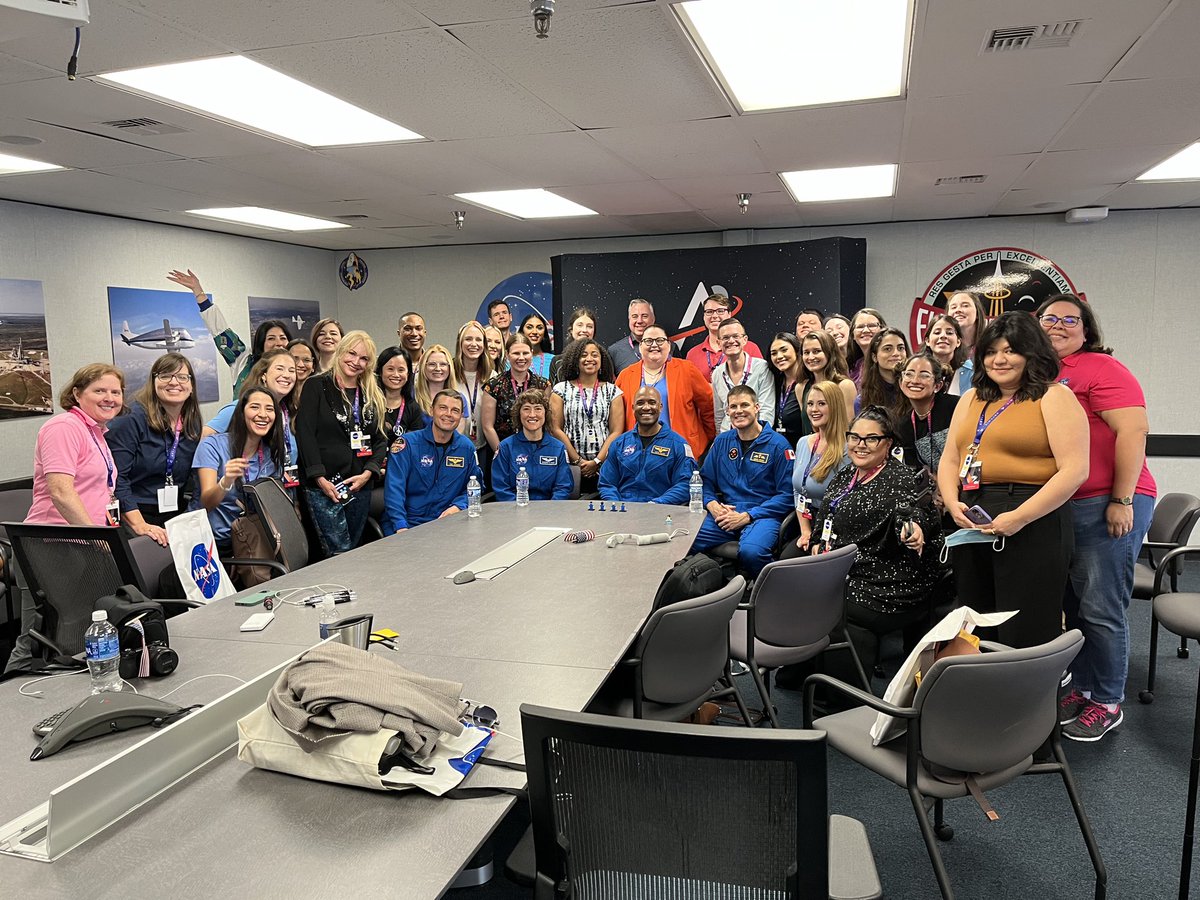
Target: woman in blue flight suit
543	457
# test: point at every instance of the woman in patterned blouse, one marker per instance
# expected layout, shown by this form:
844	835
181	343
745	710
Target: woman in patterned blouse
502	389
586	409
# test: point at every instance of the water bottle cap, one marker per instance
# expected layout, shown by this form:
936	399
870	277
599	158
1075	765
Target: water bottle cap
522	468
99	615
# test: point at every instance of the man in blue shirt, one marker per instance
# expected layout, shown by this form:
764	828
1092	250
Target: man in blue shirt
747	484
428	470
651	463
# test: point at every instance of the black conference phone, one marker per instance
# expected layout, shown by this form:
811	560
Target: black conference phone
100	714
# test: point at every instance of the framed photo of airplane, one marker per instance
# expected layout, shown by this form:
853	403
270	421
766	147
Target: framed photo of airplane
24	353
145	324
300	315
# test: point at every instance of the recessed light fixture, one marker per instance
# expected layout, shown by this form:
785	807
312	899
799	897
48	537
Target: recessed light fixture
530	203
1183	166
251	94
781	54
852	183
274	219
19	165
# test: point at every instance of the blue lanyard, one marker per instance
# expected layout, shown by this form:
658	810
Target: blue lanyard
983	426
107	457
588	407
287	430
814	455
353	411
174	450
783	397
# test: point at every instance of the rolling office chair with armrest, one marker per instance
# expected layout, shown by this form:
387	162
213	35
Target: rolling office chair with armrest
14	505
975	723
1175	516
282	525
67	568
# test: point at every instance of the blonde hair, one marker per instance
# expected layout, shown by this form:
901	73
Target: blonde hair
367	382
836	426
85	376
424	398
486	367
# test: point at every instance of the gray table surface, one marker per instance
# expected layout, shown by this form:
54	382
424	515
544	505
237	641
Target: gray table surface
546	632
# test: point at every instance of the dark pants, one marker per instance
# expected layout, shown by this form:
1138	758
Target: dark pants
339	525
866	627
1029	574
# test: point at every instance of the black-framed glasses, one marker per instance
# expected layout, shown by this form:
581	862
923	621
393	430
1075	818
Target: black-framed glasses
1049	321
871	440
653	342
177	377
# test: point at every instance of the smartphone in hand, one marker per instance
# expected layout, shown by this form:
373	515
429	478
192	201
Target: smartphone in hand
978	515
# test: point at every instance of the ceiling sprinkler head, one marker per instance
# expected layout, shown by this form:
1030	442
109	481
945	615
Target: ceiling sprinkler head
542	10
460	218
743	202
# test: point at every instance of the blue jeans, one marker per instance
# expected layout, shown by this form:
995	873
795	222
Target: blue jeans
1098	593
339	525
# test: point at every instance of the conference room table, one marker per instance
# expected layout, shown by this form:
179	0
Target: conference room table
546	631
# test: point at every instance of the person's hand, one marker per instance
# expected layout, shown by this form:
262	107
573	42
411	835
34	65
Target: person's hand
803	541
328	489
588	467
1120	520
398	530
234	469
913	537
449	511
958	512
156	534
1005	524
188	280
358	482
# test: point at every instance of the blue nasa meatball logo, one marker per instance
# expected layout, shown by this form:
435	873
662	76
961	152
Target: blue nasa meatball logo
526	293
205	571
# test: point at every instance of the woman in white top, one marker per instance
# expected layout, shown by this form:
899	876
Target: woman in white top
945	341
472	367
586	409
435	372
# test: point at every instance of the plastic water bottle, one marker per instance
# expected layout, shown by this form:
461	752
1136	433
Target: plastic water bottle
696	493
328	615
103	648
474	498
522	487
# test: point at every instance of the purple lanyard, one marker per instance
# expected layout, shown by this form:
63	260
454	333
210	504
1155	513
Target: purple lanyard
709	357
107	457
815	454
783	397
474	394
854	482
588	407
287	429
983	426
173	451
745	374
353	411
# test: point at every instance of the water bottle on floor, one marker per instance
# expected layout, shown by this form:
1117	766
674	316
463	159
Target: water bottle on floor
696	493
103	648
522	487
474	498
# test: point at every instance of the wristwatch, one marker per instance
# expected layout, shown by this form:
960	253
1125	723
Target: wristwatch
1124	501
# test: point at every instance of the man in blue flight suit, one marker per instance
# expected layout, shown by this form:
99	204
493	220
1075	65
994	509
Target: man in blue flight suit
651	463
747	484
428	470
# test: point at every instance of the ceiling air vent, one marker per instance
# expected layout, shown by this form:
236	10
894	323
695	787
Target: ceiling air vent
960	179
1032	37
145	127
351	217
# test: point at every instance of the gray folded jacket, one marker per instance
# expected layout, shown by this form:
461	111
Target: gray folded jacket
334	689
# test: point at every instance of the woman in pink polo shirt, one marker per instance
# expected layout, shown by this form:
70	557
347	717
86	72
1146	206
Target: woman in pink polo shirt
74	476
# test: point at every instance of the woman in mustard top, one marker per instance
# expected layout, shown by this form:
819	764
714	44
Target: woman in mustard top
1017	451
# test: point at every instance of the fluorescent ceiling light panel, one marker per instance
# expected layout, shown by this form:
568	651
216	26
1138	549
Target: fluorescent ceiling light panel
19	165
853	183
781	54
273	219
251	94
1183	166
532	203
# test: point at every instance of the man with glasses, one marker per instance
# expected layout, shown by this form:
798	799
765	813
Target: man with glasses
627	350
412	335
747	484
650	463
428	470
709	354
687	404
738	368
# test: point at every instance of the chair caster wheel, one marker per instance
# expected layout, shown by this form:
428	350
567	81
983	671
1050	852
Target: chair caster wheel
943	832
1182	653
1146	697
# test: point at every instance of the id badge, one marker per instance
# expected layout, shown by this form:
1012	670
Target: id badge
965	467
291	476
974	476
168	498
827	530
356	439
898	453
112	511
803	507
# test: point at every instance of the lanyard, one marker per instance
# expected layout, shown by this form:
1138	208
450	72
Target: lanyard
174	449
745	374
983	426
354	410
397	428
517	388
854	482
928	423
815	452
474	393
783	397
588	407
712	360
287	432
107	457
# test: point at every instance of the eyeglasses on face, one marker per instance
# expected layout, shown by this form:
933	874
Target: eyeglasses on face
917	376
1049	321
871	440
177	377
715	312
653	342
865	327
730	338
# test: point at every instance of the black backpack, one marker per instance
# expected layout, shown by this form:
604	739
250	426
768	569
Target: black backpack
125	606
693	576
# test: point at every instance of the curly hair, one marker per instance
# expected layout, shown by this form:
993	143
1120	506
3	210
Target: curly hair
574	353
531	397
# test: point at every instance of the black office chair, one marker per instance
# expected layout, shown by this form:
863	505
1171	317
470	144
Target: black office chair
1175	516
14	506
67	568
617	813
974	725
283	527
793	610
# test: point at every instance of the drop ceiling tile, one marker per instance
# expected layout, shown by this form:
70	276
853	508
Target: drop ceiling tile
630	199
230	187
1132	113
1152	195
96	191
446	167
918	179
856	134
847	212
457	12
1077	168
1050	199
759	215
73	149
646	56
992	123
13	70
280	23
668	223
424	80
1167	51
945	206
684	150
313	172
547	160
717	191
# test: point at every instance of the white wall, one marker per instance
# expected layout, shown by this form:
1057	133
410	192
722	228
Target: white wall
77	256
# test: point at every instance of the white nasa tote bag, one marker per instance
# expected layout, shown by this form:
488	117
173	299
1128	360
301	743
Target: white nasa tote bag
196	561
